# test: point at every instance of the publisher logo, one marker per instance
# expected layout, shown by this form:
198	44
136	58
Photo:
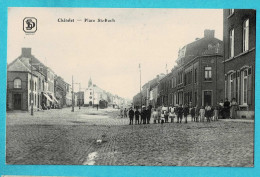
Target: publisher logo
29	25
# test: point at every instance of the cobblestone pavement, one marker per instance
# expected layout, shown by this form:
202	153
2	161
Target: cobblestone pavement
65	137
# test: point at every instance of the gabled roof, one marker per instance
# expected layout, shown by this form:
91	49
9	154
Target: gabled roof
20	64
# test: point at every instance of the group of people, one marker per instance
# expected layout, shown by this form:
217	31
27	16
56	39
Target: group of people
141	117
198	114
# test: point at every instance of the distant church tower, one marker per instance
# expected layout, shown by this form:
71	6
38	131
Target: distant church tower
89	82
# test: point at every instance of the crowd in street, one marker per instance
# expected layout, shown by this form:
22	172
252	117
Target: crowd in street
165	114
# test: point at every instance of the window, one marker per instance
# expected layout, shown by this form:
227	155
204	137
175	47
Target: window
17	83
43	85
195	98
245	35
231	43
246	86
39	82
208	74
195	76
244	80
232	86
231	11
185	79
35	86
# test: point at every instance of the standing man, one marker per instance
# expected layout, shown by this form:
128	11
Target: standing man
131	114
137	115
186	112
143	115
180	112
148	114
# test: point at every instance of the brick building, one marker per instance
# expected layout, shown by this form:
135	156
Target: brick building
26	83
239	36
198	77
60	91
25	89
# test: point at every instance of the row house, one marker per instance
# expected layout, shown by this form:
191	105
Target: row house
198	77
60	91
239	36
68	95
167	89
28	84
200	72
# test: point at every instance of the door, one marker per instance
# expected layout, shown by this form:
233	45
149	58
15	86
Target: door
207	98
17	101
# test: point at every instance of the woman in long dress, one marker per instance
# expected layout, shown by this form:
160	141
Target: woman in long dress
233	109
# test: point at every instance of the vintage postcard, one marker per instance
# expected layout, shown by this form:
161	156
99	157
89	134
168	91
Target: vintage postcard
132	87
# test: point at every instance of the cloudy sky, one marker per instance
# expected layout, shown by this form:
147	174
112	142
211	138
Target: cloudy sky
110	53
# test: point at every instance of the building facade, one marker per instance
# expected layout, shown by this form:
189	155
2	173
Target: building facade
198	77
239	36
26	83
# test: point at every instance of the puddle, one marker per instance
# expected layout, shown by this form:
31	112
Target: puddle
91	159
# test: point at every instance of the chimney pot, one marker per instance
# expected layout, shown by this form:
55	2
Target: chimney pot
209	33
26	52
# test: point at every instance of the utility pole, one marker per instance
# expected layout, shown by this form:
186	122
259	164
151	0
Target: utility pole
31	84
140	85
72	96
79	94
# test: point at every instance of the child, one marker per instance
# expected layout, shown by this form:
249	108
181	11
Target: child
216	113
166	115
155	116
202	114
162	117
208	113
197	112
172	114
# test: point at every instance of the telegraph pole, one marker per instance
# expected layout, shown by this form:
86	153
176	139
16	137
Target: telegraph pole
140	85
79	94
31	88
72	96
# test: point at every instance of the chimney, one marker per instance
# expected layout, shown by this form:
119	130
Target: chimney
209	33
26	52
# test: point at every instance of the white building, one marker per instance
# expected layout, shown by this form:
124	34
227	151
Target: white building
93	94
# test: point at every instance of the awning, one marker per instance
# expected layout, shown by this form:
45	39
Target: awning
47	96
55	99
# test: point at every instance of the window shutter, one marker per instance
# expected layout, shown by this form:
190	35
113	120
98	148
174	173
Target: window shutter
249	89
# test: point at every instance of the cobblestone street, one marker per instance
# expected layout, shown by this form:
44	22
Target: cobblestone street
65	137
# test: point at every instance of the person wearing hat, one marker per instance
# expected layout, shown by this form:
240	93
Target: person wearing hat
148	114
131	114
137	114
143	115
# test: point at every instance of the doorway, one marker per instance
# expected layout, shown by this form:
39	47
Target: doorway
207	98
17	101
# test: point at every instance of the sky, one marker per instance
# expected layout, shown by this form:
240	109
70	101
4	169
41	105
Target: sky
109	53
